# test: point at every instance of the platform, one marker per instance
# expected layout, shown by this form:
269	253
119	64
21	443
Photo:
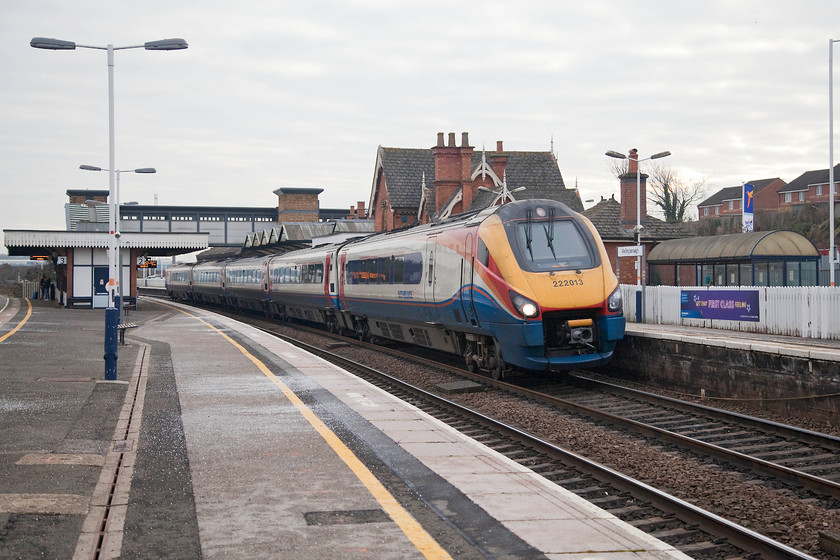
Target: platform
792	346
219	440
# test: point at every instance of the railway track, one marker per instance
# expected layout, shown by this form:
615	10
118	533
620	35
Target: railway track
696	532
789	454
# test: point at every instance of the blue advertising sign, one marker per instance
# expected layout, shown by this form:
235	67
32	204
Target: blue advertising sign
747	213
748	198
728	305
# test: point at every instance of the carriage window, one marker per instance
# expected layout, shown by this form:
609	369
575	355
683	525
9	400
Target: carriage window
385	270
399	269
413	268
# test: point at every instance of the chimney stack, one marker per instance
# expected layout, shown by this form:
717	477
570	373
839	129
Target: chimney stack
452	171
498	161
629	195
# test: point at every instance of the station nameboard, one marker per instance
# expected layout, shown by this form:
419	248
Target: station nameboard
631	251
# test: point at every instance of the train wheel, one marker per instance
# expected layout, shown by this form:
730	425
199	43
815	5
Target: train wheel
469	358
363	332
495	362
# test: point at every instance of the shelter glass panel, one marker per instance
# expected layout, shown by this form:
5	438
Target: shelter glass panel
745	274
793	276
808	273
732	275
776	273
720	275
761	276
708	275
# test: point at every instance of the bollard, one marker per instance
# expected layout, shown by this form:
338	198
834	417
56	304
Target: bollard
639	317
112	317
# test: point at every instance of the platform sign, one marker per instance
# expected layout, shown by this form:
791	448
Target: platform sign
726	305
631	251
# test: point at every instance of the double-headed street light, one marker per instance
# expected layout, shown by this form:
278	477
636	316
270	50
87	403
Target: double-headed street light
114	224
638	229
111	316
61	45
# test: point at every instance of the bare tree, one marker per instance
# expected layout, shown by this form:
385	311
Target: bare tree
671	192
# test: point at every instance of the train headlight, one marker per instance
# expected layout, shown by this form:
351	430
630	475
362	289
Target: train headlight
614	301
523	305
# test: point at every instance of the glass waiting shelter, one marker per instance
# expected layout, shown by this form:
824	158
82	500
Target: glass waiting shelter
759	258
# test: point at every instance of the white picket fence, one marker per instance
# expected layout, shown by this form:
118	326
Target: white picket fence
810	312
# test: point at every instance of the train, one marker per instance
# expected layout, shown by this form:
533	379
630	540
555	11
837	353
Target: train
525	286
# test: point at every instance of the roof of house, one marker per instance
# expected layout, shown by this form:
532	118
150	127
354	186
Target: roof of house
816	177
537	172
735	193
606	217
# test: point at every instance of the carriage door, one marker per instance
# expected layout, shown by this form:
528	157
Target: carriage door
467	271
430	281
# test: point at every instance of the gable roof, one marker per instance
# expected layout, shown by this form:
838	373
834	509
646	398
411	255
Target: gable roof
735	193
606	217
404	168
816	177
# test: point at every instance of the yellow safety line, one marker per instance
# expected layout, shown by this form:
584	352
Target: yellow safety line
19	325
412	529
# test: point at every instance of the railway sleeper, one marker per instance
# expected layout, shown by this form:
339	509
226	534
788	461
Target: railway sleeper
649	524
832	470
677	533
806	459
801	452
702	547
633	511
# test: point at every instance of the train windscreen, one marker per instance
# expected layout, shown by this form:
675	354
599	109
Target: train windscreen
553	244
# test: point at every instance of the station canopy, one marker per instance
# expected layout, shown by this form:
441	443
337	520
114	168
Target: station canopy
757	245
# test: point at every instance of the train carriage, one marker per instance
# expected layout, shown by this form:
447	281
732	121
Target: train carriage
209	282
525	285
299	286
179	282
246	283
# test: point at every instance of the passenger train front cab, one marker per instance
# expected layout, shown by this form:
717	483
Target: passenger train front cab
549	266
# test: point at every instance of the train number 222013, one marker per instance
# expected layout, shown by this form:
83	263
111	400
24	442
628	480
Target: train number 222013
567	282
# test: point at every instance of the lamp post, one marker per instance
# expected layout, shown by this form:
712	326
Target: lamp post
111	318
831	260
161	45
115	224
638	229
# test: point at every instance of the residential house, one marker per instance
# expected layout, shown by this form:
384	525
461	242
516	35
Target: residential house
728	202
809	188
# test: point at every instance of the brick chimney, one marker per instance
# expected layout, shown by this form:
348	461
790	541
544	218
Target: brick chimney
452	171
628	192
498	161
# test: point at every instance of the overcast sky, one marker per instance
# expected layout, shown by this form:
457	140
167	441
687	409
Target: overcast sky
297	93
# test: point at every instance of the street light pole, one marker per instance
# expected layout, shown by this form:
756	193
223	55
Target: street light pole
831	260
111	317
114	224
638	229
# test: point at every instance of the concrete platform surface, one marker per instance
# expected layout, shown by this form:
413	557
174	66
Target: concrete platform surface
220	440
